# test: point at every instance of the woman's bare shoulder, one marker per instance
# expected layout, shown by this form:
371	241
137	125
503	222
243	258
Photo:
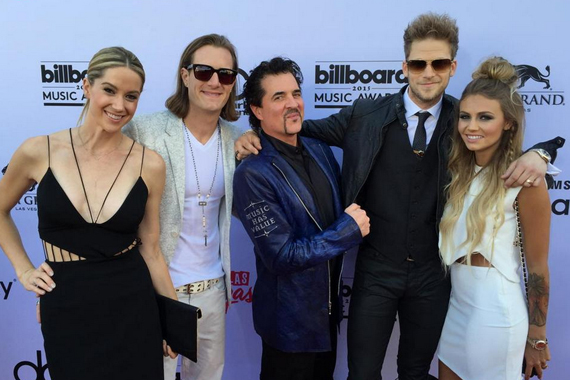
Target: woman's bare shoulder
153	162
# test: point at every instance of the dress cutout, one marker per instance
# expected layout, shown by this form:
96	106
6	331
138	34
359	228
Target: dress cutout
101	321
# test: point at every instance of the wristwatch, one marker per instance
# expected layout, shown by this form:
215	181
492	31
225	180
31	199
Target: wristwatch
543	154
537	344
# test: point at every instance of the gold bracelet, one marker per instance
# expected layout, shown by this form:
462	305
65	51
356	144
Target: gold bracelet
542	154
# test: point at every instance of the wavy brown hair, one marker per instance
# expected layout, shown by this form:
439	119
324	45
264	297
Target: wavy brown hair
432	25
495	79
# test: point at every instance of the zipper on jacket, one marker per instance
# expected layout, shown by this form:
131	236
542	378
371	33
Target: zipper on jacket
341	256
338	288
318	226
329	278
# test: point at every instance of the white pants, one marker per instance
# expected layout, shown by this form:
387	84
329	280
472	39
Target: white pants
211	336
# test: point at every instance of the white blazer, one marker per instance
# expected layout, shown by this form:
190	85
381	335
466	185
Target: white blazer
163	132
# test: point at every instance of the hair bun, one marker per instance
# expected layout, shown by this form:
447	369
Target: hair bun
497	68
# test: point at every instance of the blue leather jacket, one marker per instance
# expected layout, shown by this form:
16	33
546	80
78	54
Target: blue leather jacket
292	294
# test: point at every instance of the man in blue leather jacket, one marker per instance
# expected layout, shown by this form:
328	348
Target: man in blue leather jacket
288	200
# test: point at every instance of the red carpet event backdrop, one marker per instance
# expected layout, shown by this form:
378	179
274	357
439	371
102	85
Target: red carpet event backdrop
346	49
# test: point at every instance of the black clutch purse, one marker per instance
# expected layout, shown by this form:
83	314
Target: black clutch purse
179	322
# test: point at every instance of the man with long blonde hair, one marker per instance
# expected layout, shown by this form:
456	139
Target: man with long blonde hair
195	138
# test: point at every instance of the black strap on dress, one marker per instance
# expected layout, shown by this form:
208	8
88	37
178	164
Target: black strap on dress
49	153
83	183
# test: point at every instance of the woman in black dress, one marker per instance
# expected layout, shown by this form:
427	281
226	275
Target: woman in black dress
98	204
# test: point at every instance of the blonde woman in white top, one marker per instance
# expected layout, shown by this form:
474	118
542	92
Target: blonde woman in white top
490	325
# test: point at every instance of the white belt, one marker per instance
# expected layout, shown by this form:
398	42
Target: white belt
197	287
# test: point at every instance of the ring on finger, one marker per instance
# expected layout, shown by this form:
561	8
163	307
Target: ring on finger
529	180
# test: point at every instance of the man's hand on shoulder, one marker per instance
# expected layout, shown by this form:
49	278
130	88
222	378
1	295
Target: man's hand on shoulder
248	143
528	170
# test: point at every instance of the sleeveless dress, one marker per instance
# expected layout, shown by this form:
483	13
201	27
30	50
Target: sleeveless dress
486	326
101	321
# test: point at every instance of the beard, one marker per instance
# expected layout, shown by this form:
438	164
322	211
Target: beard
426	98
294	110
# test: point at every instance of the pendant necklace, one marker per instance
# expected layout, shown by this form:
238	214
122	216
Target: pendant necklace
204	203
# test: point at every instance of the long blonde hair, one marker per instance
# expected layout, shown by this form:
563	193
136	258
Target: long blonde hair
495	79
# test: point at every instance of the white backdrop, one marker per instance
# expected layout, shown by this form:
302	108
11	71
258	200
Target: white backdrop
365	35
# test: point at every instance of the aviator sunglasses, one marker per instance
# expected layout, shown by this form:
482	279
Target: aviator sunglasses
419	65
204	73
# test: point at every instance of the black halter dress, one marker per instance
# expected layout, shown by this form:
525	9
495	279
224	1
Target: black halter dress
101	321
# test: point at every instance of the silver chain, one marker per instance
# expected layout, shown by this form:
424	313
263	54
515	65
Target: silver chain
519	243
204	203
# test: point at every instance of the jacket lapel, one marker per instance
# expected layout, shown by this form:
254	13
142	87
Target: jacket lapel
174	144
293	179
228	160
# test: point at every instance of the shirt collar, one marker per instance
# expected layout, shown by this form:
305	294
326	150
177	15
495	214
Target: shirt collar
284	148
412	108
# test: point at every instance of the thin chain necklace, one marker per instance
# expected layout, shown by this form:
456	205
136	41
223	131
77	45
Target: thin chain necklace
95	156
204	203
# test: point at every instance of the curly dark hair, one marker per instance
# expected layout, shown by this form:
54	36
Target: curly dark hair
253	92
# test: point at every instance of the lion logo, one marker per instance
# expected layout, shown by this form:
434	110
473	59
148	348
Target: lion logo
526	72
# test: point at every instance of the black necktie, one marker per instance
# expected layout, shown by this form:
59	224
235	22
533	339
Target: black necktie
419	144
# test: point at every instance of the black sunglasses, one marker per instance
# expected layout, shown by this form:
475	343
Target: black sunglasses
438	65
204	73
